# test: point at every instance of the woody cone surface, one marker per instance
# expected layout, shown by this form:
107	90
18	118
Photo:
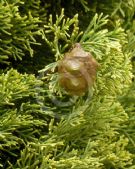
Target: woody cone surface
77	71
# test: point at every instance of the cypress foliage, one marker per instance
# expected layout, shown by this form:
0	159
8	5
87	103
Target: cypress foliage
41	125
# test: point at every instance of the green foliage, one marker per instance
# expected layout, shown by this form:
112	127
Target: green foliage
15	86
121	10
84	3
17	32
99	145
19	120
128	102
124	12
41	127
100	117
65	30
105	46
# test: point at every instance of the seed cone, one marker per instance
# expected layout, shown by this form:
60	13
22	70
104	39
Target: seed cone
77	70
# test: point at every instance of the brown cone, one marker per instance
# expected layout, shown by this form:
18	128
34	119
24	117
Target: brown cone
77	71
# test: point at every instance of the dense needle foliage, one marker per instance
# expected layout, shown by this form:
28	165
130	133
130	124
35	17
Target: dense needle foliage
41	125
